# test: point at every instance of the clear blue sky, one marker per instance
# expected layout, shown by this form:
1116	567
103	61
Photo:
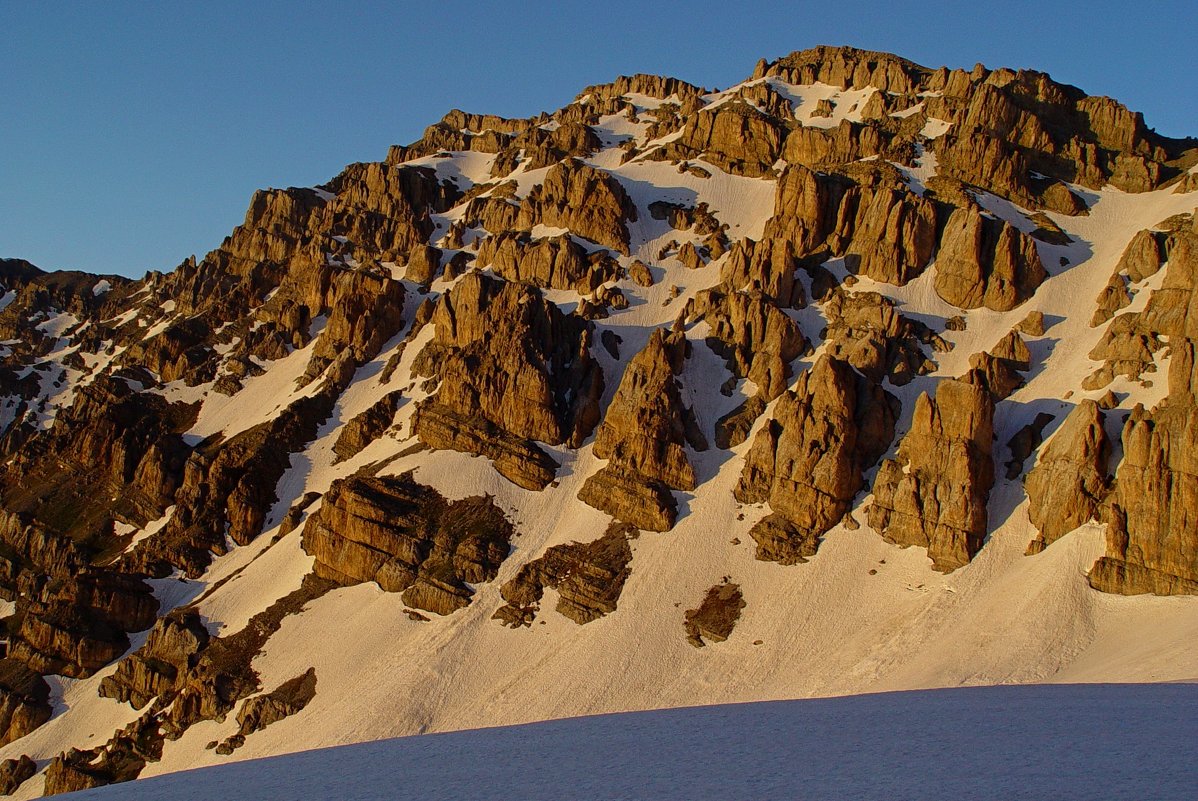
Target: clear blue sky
132	135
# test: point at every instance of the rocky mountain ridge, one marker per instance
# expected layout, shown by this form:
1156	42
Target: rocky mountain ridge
507	360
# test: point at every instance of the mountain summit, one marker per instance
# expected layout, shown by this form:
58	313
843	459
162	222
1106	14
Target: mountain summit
855	376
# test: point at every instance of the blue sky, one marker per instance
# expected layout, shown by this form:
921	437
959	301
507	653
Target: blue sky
133	134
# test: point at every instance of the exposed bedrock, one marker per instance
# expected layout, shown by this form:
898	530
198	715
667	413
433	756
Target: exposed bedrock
807	462
644	437
588	578
407	538
1067	486
513	370
934	494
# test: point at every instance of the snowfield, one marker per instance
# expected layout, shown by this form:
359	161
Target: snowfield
1082	742
497	709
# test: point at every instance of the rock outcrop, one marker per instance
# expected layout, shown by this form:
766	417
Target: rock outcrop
984	261
807	462
553	263
407	538
229	487
366	427
643	437
260	711
1151	535
513	370
586	201
24	700
756	339
715	618
867	331
934	494
1066	487
866	214
588	577
15	772
161	665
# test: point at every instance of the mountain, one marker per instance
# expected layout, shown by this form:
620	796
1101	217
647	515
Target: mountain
856	376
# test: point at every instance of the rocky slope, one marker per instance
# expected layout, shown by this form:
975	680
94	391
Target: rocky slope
852	359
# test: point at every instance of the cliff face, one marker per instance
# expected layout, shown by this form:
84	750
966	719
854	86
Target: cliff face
480	375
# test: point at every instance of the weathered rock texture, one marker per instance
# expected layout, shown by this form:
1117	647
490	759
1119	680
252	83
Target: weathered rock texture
14	773
757	340
259	711
934	494
807	462
1066	487
984	261
513	371
715	618
24	700
366	427
644	437
867	331
588	578
407	538
161	665
1152	539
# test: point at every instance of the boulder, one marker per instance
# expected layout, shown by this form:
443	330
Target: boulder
716	616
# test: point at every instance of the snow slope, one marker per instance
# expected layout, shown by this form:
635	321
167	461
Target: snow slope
1076	742
862	616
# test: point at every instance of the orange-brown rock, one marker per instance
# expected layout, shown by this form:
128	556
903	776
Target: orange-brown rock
986	262
733	428
845	143
1143	255
643	437
934	494
768	267
588	577
1066	487
757	340
1151	534
15	772
867	331
1002	366
554	263
228	488
847	67
513	369
886	231
407	538
366	427
714	619
808	461
24	700
366	310
734	136
287	699
590	203
161	665
536	147
423	265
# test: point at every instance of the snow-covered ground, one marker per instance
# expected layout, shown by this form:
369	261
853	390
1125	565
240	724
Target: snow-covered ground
862	616
1108	742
